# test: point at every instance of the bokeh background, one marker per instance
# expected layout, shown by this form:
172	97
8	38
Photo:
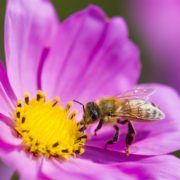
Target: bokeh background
154	25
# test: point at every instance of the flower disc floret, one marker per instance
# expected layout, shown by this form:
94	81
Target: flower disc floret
48	129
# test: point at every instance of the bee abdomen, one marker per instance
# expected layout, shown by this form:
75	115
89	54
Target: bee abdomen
140	110
153	113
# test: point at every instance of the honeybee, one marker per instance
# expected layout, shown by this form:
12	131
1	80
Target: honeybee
133	105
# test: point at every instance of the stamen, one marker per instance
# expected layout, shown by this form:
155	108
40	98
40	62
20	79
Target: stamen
26	131
55	144
47	129
23	120
83	128
77	151
73	114
26	98
19	104
18	114
65	151
40	95
83	137
68	106
56	100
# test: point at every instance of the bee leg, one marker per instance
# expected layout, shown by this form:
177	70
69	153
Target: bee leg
114	139
99	126
129	137
122	122
83	128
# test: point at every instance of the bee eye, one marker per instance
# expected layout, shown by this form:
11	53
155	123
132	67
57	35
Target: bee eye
94	115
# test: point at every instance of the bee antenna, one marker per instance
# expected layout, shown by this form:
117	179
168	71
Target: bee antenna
80	104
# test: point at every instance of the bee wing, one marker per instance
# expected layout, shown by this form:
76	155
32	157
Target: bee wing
132	111
139	110
141	92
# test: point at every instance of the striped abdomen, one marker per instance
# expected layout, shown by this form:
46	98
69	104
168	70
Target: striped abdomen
140	110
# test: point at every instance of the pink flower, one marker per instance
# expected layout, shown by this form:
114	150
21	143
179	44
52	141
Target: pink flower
158	25
85	57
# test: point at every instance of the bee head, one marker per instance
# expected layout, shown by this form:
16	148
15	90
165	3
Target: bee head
92	113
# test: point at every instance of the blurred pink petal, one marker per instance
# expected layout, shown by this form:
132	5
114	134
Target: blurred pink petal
92	55
158	25
21	162
28	31
152	138
5	171
157	167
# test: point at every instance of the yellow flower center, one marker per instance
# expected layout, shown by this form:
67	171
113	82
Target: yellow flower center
47	128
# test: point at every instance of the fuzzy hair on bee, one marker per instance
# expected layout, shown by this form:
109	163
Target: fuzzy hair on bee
133	105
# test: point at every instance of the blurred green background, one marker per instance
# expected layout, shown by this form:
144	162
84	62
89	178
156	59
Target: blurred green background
2	11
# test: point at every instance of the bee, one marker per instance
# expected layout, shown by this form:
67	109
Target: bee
132	105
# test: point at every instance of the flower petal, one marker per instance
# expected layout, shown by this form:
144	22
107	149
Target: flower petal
157	167
6	134
5	82
28	31
136	166
6	106
157	26
24	164
152	138
5	171
107	165
7	97
92	56
78	169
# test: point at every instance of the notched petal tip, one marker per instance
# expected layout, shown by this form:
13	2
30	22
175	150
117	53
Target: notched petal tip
120	24
30	26
95	11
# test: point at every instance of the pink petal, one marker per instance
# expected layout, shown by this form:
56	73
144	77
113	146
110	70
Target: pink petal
99	166
7	136
6	105
5	83
157	24
22	162
92	56
136	166
157	167
152	138
5	171
105	156
29	29
7	97
78	169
